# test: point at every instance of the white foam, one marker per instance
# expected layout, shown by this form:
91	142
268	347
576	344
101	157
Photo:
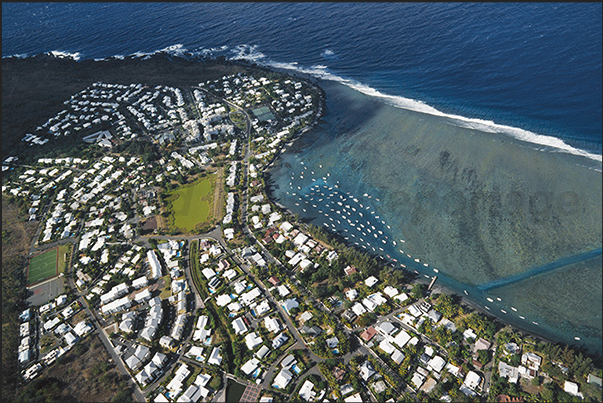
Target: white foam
246	52
65	55
419	106
17	55
251	53
328	53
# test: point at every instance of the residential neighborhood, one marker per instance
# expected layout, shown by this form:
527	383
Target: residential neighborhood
253	305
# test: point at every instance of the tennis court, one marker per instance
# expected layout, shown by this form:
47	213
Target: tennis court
263	114
42	267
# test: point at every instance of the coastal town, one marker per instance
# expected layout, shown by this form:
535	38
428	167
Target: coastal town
162	241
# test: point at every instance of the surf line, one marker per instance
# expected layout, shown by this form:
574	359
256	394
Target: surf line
557	264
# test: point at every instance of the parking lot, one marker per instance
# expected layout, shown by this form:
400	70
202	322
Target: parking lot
46	292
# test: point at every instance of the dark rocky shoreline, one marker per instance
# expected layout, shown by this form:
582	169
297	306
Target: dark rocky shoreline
34	88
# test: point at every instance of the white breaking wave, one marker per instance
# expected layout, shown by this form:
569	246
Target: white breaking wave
328	53
211	51
419	106
175	50
17	55
65	55
247	52
251	53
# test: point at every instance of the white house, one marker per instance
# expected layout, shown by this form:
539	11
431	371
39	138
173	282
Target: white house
306	392
223	300
261	353
215	357
366	370
507	371
289	304
282	379
279	340
358	309
436	364
371	281
572	388
472	381
402	338
239	326
351	294
250	366
155	265
252	340
390	291
272	324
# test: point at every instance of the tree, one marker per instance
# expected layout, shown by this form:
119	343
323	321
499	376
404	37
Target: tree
535	381
418	291
367	319
483	357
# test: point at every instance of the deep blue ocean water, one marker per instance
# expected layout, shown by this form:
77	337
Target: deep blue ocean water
528	65
529	70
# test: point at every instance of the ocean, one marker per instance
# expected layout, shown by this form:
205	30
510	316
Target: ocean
418	77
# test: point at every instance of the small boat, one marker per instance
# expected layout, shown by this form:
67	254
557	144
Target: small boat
515	310
490	299
536	323
498	299
485	306
425	264
465	291
503	311
576	338
436	270
521	317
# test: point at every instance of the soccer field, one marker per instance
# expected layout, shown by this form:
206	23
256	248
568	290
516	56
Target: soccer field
42	266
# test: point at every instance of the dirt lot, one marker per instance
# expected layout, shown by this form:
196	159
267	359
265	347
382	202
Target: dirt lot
84	374
16	235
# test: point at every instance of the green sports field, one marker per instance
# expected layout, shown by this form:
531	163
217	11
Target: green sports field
193	204
42	266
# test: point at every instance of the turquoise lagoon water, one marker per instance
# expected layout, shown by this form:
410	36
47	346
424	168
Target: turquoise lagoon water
512	228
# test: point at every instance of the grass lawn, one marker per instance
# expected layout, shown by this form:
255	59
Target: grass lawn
42	266
64	253
239	120
193	205
167	290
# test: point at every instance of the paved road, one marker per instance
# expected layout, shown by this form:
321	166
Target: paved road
110	349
